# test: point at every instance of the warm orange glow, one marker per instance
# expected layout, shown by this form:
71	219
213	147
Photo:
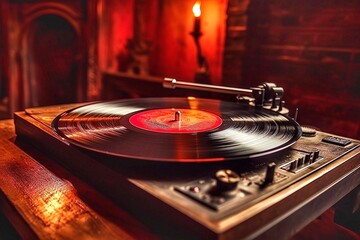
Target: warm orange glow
196	9
57	205
52	207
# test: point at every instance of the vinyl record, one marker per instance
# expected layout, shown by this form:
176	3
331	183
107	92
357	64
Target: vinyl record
177	129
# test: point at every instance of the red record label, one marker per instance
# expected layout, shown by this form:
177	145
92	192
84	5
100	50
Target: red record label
169	120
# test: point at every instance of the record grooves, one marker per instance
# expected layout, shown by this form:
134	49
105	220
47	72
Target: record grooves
177	129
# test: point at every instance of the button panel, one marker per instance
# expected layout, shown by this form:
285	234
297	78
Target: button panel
237	185
337	141
248	186
304	161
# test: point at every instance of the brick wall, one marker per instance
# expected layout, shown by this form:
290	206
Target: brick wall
312	49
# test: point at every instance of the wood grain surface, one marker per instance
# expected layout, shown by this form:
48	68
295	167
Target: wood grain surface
43	204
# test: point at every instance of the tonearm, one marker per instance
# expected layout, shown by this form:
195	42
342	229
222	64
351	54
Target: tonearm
267	95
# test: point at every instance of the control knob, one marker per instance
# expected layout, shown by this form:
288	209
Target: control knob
226	180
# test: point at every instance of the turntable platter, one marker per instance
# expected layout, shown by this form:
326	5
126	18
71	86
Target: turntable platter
177	129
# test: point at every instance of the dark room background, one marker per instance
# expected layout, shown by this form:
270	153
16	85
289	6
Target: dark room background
55	52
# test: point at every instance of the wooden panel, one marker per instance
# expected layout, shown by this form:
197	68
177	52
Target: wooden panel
42	205
310	49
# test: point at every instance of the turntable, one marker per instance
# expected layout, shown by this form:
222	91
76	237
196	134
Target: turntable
201	168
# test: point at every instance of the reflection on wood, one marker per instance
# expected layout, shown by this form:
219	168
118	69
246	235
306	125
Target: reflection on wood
48	204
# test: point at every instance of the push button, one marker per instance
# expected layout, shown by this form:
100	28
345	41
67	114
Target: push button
337	141
307	158
316	155
293	165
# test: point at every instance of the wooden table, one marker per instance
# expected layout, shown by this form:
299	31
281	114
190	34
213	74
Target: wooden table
43	200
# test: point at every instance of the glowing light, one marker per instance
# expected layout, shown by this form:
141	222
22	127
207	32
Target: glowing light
57	205
52	204
196	9
193	103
